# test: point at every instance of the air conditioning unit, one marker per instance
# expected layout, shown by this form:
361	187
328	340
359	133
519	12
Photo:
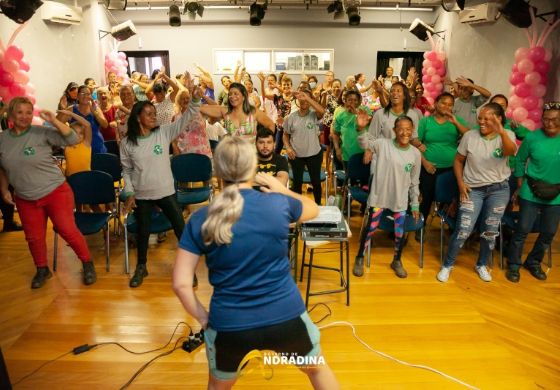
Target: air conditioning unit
54	12
478	14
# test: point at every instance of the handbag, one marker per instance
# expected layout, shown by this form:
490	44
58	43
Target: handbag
543	190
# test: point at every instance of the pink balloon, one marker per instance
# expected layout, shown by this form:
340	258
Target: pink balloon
530	102
547	55
432	56
431	71
24	65
521	53
13	52
441	71
426	55
6	79
4	91
9	65
535	115
122	55
33	99
523	90
17	90
512	90
539	90
426	79
520	114
36	111
514	68
436	79
537	53
441	56
516	78
437	64
515	101
532	78
21	77
509	112
528	123
439	88
525	66
542	67
426	64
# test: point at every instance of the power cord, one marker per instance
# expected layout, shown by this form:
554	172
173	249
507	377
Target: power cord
86	347
325	316
344	323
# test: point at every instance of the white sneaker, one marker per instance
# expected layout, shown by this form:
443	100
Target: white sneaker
443	274
483	273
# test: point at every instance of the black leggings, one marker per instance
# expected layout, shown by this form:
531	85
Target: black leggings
428	189
143	213
313	164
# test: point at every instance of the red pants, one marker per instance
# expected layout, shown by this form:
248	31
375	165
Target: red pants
59	207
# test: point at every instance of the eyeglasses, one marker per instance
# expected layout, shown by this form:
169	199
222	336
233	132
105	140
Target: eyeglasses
551	120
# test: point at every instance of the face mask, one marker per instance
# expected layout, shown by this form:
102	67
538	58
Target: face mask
312	84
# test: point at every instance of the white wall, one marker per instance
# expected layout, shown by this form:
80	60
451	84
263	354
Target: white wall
355	49
485	53
60	53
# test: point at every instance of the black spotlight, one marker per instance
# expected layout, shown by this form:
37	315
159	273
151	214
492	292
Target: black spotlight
20	11
353	13
517	13
337	8
174	16
256	12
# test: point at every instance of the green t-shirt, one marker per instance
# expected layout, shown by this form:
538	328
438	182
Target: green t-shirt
441	140
346	126
540	155
520	132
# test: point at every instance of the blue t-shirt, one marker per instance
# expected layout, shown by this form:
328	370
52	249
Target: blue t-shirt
97	141
251	276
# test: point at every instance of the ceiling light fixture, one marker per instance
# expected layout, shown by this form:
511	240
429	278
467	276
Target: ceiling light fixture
174	16
256	13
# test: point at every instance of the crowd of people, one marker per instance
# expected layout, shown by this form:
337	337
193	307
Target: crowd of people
270	127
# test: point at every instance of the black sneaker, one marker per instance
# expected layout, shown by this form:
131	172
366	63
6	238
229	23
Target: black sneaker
512	275
12	227
397	266
139	274
90	276
43	273
358	269
536	271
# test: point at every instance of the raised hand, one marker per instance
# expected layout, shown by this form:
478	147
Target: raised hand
269	183
47	116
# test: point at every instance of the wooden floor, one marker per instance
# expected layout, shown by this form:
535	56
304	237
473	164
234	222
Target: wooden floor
494	335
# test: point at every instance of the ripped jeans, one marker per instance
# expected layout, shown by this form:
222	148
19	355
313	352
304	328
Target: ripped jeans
489	202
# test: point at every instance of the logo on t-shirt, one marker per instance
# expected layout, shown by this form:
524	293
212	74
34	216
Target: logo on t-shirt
29	151
158	149
408	167
310	126
498	153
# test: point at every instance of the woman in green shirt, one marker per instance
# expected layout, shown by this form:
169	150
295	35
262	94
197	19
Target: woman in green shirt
439	134
538	160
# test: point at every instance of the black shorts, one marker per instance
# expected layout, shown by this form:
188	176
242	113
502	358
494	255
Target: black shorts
225	350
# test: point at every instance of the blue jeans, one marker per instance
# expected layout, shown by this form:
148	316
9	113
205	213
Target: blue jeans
528	213
489	202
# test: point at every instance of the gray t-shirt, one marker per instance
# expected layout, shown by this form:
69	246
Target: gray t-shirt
146	166
467	109
27	160
304	133
382	124
485	162
396	176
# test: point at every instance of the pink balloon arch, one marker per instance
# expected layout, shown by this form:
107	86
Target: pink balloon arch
116	62
528	77
14	77
433	70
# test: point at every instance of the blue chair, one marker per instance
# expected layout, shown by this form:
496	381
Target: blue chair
111	164
160	223
510	220
188	169
357	176
93	188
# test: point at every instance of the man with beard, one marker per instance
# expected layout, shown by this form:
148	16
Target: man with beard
268	161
